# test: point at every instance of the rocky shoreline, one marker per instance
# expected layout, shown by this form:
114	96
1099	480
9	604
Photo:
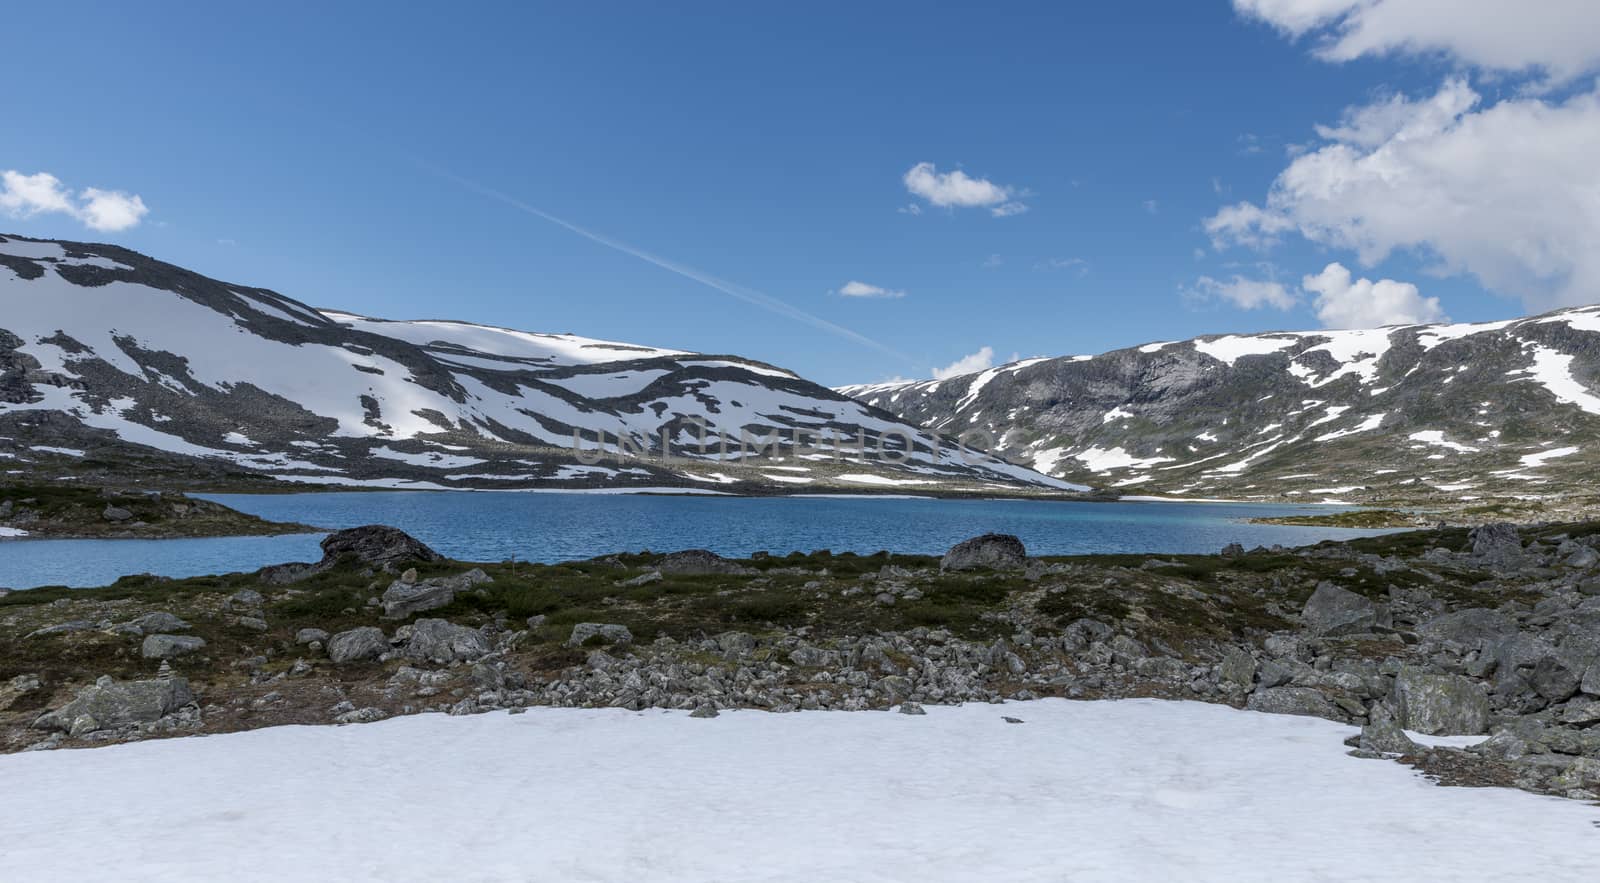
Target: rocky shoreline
68	511
1493	631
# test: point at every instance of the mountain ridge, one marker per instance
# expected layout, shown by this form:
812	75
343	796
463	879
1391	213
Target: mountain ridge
1448	413
117	365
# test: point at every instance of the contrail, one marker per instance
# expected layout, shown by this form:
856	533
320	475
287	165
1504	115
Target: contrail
748	295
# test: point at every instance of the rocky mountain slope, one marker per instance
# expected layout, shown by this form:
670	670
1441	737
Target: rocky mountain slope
116	366
1428	414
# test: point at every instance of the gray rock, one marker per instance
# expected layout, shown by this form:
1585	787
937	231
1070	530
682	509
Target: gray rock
1384	736
115	513
697	561
1292	700
1238	667
361	716
992	551
736	644
244	599
1332	611
1591	679
253	623
441	641
1556	677
62	628
1584	558
1439	704
16	688
403	597
170	646
1468	627
160	621
110	703
610	633
642	579
1496	543
375	544
704	711
807	656
308	636
911	708
1582	714
1275	674
365	642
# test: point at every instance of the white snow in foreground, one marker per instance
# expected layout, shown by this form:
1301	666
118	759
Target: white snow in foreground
1082	791
12	532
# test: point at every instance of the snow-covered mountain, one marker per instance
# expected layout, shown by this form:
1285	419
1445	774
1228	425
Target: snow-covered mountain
116	365
1419	412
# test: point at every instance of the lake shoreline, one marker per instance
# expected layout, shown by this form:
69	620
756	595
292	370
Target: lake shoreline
383	626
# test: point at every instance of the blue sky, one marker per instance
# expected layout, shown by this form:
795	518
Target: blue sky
323	154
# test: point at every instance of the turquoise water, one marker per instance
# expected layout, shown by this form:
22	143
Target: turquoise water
562	527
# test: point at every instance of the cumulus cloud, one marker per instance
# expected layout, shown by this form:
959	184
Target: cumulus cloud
1246	224
1344	302
23	196
1246	294
978	361
862	289
1554	38
1493	191
957	189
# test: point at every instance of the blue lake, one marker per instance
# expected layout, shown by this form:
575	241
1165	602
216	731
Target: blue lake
563	527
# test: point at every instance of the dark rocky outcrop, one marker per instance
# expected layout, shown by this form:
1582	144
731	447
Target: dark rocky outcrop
992	551
375	544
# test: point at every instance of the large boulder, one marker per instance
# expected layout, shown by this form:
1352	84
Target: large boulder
1293	700
1384	736
170	646
1439	704
110	703
1332	611
441	641
1496	543
405	597
1468	627
610	633
376	544
992	551
697	561
151	623
366	642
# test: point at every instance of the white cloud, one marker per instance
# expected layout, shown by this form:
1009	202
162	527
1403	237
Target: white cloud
1501	192
1246	294
1343	302
1552	37
993	261
1246	224
1152	206
23	196
978	361
959	190
1077	265
862	289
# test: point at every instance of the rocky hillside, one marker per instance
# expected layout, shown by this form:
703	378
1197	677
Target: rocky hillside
1442	633
120	368
1428	414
